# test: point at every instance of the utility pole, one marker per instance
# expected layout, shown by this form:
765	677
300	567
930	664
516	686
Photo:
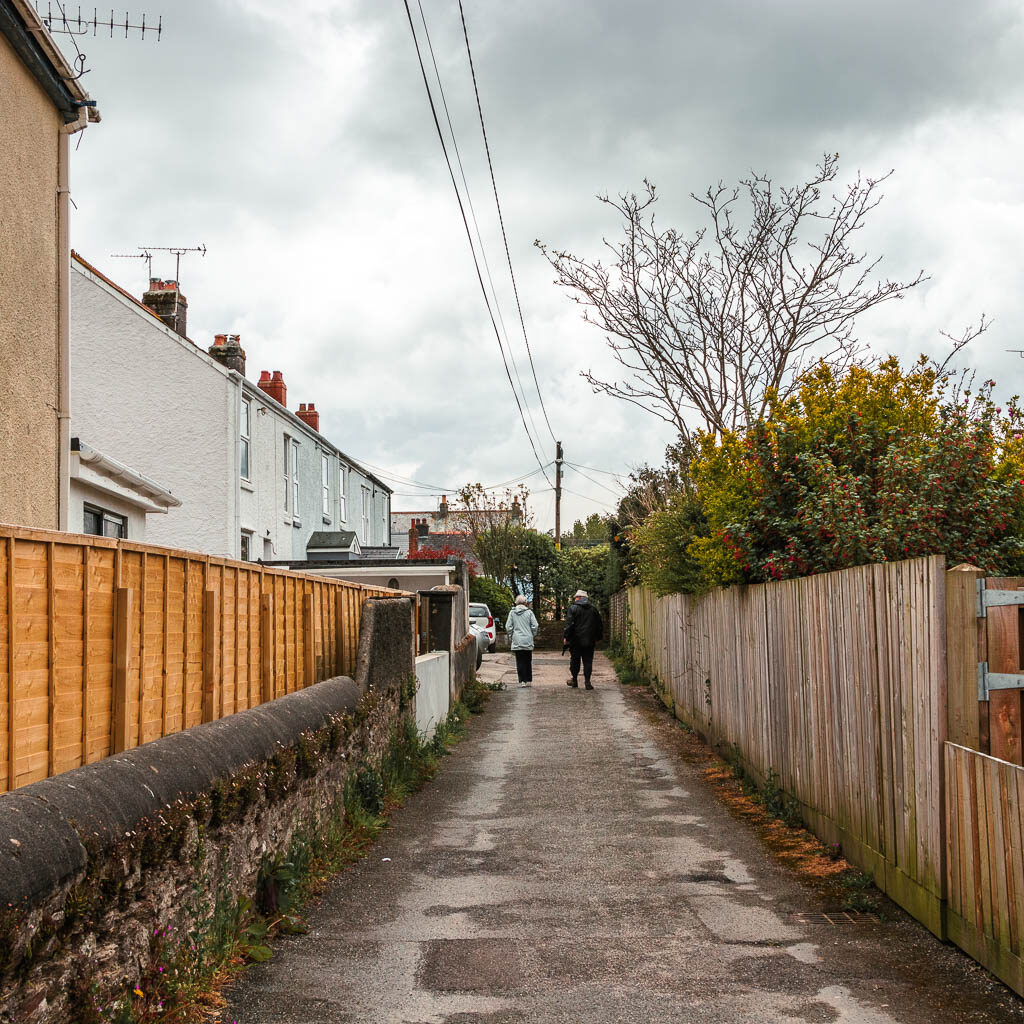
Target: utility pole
558	495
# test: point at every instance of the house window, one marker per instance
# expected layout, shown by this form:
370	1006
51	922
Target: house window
365	491
325	485
287	472
243	455
245	547
342	498
291	477
101	523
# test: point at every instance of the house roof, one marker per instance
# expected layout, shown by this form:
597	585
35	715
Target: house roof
331	539
30	39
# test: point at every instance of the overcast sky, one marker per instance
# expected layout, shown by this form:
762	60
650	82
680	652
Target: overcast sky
295	141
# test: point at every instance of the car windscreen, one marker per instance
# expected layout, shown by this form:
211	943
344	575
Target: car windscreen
480	610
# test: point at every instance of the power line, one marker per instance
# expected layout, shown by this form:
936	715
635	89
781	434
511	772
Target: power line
469	236
576	469
592	469
587	497
501	219
472	213
438	489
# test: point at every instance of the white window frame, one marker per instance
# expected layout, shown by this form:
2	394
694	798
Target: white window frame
295	479
342	494
365	517
244	441
325	486
245	546
287	474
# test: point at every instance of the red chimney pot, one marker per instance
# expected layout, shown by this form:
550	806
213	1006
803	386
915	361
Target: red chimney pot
274	386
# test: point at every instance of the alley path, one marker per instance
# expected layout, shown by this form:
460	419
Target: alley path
567	866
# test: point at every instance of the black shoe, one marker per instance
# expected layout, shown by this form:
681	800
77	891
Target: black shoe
571	682
588	686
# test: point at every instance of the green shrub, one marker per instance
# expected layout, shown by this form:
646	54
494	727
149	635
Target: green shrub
493	594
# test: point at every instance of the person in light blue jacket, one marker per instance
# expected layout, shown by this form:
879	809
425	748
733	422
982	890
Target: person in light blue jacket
522	628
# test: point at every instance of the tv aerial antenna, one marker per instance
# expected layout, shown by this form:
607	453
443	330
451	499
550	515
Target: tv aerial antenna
145	255
80	25
176	250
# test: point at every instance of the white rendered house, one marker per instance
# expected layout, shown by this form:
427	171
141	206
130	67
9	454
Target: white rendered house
212	461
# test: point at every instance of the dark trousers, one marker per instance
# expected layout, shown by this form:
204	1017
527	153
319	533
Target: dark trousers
584	655
524	666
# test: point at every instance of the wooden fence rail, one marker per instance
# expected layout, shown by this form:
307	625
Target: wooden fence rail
105	644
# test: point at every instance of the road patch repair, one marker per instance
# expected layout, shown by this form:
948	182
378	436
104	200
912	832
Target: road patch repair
571	863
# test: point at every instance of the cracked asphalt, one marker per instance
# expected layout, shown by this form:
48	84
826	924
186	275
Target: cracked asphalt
566	865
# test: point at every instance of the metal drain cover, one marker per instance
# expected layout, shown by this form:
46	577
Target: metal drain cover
836	918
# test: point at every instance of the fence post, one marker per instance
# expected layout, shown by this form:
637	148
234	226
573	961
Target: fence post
122	658
308	640
962	656
211	654
267	647
12	689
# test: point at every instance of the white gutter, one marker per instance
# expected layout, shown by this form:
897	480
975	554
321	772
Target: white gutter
118	471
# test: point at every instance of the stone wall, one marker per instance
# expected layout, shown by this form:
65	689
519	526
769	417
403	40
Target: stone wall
104	867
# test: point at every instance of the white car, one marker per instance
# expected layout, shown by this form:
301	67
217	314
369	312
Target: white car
482	642
480	615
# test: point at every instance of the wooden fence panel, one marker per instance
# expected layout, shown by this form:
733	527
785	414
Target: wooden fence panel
105	644
836	683
984	801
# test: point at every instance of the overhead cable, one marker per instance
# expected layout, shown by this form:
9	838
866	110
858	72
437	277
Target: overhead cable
501	219
469	236
476	225
597	483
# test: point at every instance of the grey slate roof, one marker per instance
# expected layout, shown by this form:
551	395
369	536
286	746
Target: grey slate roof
331	539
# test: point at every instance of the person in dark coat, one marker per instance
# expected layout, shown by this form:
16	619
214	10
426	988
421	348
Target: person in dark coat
583	631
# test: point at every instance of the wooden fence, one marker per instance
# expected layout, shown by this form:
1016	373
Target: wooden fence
105	644
859	690
836	684
985	864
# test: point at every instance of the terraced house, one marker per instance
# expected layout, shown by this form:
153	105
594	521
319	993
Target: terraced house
176	446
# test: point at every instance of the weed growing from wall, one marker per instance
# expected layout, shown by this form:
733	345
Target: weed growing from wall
225	932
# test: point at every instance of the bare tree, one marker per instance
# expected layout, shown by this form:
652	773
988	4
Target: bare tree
707	328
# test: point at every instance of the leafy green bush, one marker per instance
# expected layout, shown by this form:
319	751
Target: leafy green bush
495	595
876	464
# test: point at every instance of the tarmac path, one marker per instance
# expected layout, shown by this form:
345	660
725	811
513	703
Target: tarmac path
567	866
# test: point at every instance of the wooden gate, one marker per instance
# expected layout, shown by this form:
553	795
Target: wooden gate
985	638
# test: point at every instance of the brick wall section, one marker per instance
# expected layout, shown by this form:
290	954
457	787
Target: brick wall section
94	861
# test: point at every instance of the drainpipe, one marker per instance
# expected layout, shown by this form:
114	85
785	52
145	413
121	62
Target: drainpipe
64	326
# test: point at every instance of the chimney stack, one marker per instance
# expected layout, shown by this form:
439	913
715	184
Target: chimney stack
226	349
273	386
164	298
309	415
414	539
443	508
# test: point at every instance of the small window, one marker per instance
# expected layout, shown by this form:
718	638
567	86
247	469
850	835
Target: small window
325	485
243	455
366	514
342	498
245	547
100	523
295	479
393	583
287	472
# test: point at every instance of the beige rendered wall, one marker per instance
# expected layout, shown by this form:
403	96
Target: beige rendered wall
29	140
